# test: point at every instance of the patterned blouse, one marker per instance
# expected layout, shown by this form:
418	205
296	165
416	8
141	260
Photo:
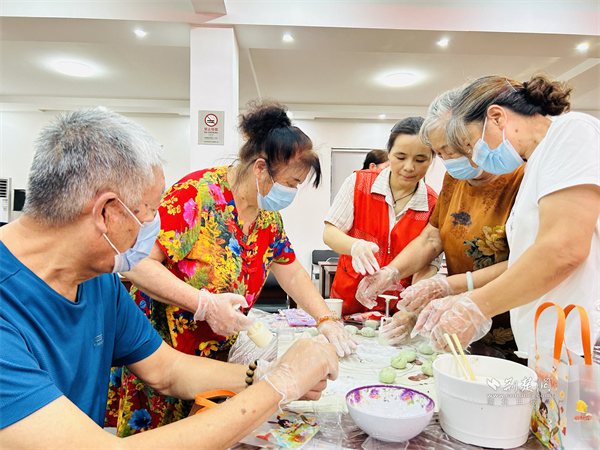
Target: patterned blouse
202	237
472	220
205	246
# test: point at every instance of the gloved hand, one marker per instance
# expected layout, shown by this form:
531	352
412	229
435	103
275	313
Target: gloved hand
300	371
220	312
455	314
416	297
337	336
372	285
363	257
398	329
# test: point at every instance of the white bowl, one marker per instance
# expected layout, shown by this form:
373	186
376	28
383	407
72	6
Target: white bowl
389	413
495	410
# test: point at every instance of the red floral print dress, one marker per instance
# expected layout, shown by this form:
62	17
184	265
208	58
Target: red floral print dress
205	246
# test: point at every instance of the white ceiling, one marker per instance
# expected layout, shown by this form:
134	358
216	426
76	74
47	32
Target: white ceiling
330	71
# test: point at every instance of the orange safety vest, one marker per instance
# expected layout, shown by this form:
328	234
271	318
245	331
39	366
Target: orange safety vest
371	223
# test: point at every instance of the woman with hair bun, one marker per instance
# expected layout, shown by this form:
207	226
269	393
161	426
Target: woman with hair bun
221	234
554	227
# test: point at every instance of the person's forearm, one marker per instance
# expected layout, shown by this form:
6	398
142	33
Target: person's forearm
296	282
427	272
539	270
155	280
219	427
481	277
418	253
337	240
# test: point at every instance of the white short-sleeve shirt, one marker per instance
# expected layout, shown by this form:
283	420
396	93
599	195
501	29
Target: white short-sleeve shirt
568	156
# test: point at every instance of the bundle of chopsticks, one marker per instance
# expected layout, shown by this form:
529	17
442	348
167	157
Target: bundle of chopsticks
468	375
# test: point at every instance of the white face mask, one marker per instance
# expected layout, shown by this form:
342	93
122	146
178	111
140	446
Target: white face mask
142	247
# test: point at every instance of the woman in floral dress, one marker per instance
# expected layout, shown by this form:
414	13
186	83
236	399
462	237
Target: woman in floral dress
220	236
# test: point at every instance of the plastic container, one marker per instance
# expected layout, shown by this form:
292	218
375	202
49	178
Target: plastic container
495	410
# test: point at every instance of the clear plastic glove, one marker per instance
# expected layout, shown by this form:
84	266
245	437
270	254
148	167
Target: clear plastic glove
416	297
302	369
220	312
453	315
338	337
373	285
363	257
398	329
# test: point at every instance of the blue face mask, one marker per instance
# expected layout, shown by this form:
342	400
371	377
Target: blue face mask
279	197
503	159
461	168
142	247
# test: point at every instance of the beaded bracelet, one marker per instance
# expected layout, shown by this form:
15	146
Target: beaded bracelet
327	317
250	373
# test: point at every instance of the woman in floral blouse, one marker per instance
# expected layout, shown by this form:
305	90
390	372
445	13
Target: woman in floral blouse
468	223
220	236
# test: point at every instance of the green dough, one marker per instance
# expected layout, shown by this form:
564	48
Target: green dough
427	368
409	355
399	361
371	324
351	329
312	331
368	332
425	348
387	375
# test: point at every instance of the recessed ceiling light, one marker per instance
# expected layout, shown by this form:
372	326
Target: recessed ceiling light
74	68
443	42
583	46
140	33
287	37
400	79
382	116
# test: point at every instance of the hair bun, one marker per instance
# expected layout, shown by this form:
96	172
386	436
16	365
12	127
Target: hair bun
261	118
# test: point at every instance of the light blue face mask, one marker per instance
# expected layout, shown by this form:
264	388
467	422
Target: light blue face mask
503	159
142	247
279	197
461	168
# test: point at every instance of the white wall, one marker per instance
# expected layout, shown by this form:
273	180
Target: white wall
303	219
19	130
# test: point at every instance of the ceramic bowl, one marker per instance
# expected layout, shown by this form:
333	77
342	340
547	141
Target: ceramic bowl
389	413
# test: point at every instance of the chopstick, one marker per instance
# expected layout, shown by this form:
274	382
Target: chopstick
458	361
455	337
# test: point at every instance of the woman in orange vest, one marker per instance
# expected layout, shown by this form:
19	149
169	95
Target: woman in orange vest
377	213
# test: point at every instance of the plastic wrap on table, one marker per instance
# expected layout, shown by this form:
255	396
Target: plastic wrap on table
244	351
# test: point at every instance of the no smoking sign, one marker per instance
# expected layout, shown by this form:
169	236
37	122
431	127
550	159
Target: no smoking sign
210	127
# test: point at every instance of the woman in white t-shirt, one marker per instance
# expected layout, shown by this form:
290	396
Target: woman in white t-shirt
554	227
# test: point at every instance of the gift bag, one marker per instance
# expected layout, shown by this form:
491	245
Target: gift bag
566	412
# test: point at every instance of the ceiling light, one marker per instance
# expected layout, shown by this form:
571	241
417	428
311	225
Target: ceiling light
140	33
287	37
74	68
400	79
583	46
443	42
290	115
382	116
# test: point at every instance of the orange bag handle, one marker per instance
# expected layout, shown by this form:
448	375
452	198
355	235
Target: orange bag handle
585	332
559	336
203	398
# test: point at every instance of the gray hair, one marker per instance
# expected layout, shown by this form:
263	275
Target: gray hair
85	153
438	114
540	95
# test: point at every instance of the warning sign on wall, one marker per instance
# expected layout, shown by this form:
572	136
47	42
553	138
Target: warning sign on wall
210	127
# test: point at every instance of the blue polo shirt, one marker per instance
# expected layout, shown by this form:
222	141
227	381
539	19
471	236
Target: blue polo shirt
51	346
